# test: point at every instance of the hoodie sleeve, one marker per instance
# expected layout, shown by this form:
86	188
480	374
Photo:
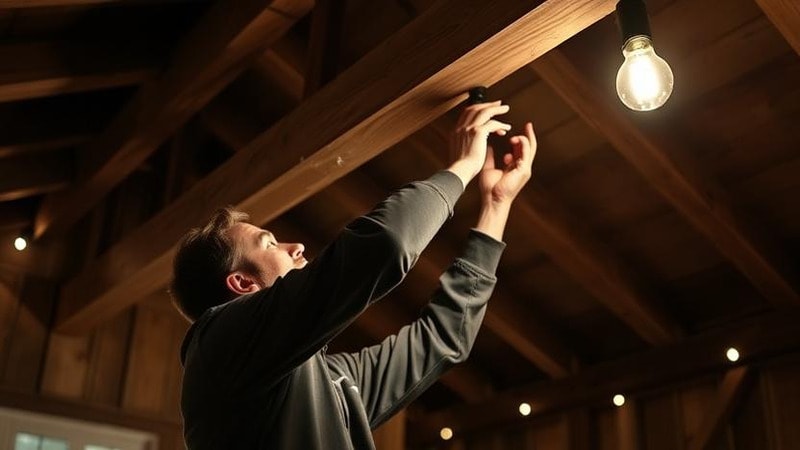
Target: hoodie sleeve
260	337
393	373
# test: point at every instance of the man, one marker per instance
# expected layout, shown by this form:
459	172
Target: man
257	375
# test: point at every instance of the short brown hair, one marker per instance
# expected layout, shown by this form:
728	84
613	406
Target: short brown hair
205	256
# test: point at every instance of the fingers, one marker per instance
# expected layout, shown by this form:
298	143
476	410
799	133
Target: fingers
470	113
532	139
488	164
493	126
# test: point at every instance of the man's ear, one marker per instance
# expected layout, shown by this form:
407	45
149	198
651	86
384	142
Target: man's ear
241	283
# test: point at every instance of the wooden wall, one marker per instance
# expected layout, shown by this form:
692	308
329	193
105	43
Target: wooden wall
763	416
126	372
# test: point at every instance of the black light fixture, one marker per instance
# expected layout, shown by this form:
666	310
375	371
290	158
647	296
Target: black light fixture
644	81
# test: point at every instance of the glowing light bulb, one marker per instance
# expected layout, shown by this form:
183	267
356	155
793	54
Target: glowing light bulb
644	81
524	409
732	354
20	243
446	433
619	400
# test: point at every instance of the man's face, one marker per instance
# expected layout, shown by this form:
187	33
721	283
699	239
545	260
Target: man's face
273	259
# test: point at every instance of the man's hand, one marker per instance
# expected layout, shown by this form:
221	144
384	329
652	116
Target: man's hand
500	186
469	140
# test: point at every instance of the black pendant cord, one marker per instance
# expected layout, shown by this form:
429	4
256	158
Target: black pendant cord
633	21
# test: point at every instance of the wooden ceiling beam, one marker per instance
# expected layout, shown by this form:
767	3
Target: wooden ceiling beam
429	72
43	69
50	124
324	44
695	195
733	386
756	338
785	15
31	175
225	40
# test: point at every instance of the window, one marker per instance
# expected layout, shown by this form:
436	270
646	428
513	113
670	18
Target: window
22	430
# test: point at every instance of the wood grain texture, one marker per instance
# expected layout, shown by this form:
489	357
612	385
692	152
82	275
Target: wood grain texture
422	86
44	69
210	56
724	405
785	15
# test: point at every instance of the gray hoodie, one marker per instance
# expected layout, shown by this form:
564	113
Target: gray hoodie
256	374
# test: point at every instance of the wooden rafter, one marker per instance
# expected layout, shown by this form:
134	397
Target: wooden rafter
695	196
730	391
324	42
785	15
228	37
45	69
381	110
628	425
756	339
31	175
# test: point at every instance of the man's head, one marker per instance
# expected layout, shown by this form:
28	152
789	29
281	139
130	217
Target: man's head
226	258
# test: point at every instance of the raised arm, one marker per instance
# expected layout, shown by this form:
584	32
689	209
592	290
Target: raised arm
391	374
281	326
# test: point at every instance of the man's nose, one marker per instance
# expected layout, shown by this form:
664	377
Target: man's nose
296	250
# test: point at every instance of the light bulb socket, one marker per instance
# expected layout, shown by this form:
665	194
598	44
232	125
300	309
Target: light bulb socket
632	19
477	95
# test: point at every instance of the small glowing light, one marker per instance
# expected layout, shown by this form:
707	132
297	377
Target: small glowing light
732	354
524	409
20	243
619	400
446	433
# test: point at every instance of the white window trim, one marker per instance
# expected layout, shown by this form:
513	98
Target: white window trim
78	433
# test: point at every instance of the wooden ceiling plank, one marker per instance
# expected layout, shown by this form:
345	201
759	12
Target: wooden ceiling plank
43	69
761	337
31	175
397	88
228	37
696	196
48	85
730	391
43	144
324	44
785	15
